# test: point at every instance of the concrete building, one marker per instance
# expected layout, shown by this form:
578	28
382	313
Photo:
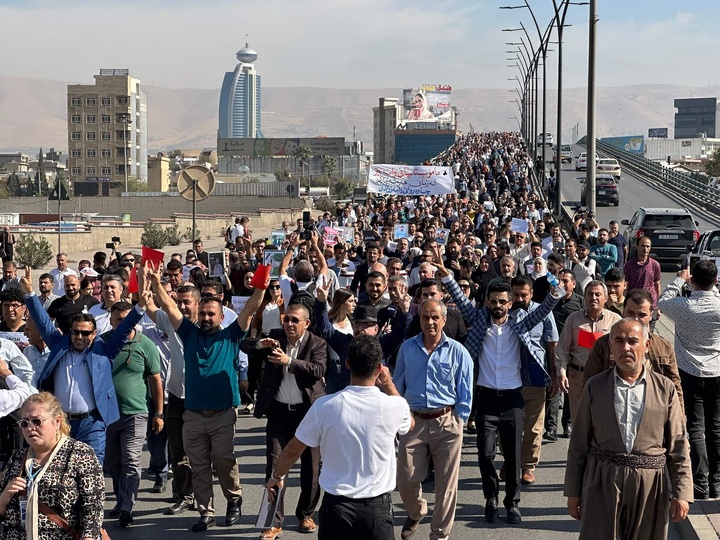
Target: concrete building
158	173
681	149
386	118
696	117
14	162
239	112
107	132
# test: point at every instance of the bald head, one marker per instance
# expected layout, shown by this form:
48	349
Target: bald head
378	267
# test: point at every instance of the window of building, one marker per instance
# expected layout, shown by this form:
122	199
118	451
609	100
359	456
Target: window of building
90	102
120	152
90	136
90	118
75	153
122	135
75	136
90	171
105	153
75	102
76	171
105	136
75	119
123	100
106	171
90	152
105	118
105	102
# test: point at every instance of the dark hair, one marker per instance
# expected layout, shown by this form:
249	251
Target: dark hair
614	275
557	259
364	355
638	296
174	265
637	240
522	281
535	244
392	260
100	256
704	275
375	275
197	276
121	306
120	272
372	245
183	289
339	298
430	282
498	287
47	276
12	294
569	273
217	287
84	317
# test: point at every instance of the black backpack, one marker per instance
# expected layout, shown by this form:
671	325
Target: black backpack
305	297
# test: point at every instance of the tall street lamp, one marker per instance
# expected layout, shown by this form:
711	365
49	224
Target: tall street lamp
127	121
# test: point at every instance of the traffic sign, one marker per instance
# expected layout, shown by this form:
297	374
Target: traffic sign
290	188
59	193
196	183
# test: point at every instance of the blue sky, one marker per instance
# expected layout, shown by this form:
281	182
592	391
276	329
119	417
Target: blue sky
352	43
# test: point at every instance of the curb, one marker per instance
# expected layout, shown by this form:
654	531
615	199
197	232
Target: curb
695	527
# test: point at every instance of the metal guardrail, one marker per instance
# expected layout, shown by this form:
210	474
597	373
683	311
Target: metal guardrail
682	183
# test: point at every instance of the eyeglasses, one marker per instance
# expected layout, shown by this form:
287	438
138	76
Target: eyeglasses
293	320
14	307
128	260
465	287
36	422
173	274
274	287
84	333
498	302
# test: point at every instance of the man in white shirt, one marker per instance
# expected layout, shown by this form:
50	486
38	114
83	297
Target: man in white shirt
60	273
16	392
112	292
236	231
356	426
37	352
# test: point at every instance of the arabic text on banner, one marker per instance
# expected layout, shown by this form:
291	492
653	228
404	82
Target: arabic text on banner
408	180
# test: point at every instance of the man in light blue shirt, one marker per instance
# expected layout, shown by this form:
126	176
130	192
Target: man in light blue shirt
434	373
604	253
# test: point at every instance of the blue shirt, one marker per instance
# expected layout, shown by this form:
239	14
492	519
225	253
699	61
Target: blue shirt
436	380
73	383
605	256
211	380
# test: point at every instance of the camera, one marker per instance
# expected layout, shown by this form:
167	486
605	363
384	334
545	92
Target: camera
111	245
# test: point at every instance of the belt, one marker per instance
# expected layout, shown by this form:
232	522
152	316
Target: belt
431	415
79	415
629	460
576	367
365	500
499	393
288	406
207	412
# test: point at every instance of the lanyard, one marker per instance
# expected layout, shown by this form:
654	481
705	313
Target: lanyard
31	477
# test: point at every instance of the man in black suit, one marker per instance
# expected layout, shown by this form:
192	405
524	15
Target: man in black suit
455	327
291	382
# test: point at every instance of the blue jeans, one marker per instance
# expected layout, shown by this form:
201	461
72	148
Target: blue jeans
157	446
91	431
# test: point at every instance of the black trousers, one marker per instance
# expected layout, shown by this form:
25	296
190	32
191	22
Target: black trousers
356	519
702	410
500	413
279	430
552	409
179	462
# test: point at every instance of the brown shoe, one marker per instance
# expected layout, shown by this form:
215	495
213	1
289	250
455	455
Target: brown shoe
307	525
409	528
271	534
528	477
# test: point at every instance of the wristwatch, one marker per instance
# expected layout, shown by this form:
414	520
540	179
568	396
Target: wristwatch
161	416
277	479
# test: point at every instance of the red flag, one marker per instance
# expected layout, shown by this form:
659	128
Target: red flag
261	274
587	339
153	257
133	282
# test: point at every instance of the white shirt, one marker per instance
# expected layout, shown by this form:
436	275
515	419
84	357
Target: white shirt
237	230
59	285
499	359
49	300
286	288
37	360
14	357
102	317
289	392
16	393
629	400
355	430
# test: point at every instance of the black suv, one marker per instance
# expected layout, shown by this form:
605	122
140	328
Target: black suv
671	230
606	190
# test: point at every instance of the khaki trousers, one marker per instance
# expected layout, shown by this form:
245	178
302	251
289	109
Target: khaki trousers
210	440
534	397
575	380
441	439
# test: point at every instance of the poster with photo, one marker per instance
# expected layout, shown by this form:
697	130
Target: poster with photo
273	259
442	236
277	238
217	263
401	230
330	236
347	234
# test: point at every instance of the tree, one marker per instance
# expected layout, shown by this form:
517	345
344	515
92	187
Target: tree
341	188
33	251
712	166
154	236
40	186
13	185
282	176
329	165
303	153
325	204
135	184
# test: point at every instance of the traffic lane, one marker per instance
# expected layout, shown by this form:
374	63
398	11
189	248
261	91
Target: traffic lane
543	505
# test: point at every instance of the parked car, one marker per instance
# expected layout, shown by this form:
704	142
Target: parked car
608	166
566	154
606	190
707	248
671	230
544	139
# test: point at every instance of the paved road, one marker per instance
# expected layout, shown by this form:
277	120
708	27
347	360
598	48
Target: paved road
542	504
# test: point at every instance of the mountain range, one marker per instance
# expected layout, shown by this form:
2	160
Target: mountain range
33	112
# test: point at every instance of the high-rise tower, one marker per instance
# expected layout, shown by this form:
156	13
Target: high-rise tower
240	98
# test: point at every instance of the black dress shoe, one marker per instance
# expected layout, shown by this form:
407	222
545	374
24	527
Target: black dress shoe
203	524
126	518
409	528
567	432
159	487
178	508
550	435
513	515
115	512
233	513
491	511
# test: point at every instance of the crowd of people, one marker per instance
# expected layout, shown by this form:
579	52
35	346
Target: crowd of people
372	353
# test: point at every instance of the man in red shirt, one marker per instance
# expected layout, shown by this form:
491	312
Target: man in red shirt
643	272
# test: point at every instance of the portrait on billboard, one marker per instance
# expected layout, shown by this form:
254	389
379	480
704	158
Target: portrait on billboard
420	110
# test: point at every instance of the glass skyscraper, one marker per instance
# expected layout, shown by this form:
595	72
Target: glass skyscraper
239	114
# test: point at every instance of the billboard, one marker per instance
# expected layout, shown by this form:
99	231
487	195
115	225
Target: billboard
427	102
409	180
319	146
658	133
631	143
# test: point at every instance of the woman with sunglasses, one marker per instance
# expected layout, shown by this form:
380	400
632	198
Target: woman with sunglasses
54	485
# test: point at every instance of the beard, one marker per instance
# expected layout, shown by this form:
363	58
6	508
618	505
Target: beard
206	326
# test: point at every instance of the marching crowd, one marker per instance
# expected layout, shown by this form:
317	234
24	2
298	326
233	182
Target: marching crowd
372	353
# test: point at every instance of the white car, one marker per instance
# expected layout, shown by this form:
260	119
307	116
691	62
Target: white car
608	166
544	139
581	162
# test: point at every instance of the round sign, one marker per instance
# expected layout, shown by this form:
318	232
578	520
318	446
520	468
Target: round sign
195	182
290	188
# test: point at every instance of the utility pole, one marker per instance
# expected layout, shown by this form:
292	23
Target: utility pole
590	194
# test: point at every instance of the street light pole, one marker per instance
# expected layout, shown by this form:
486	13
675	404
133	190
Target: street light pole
126	120
590	195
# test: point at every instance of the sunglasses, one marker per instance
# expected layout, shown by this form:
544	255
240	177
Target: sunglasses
498	302
37	422
274	287
84	333
128	260
293	320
